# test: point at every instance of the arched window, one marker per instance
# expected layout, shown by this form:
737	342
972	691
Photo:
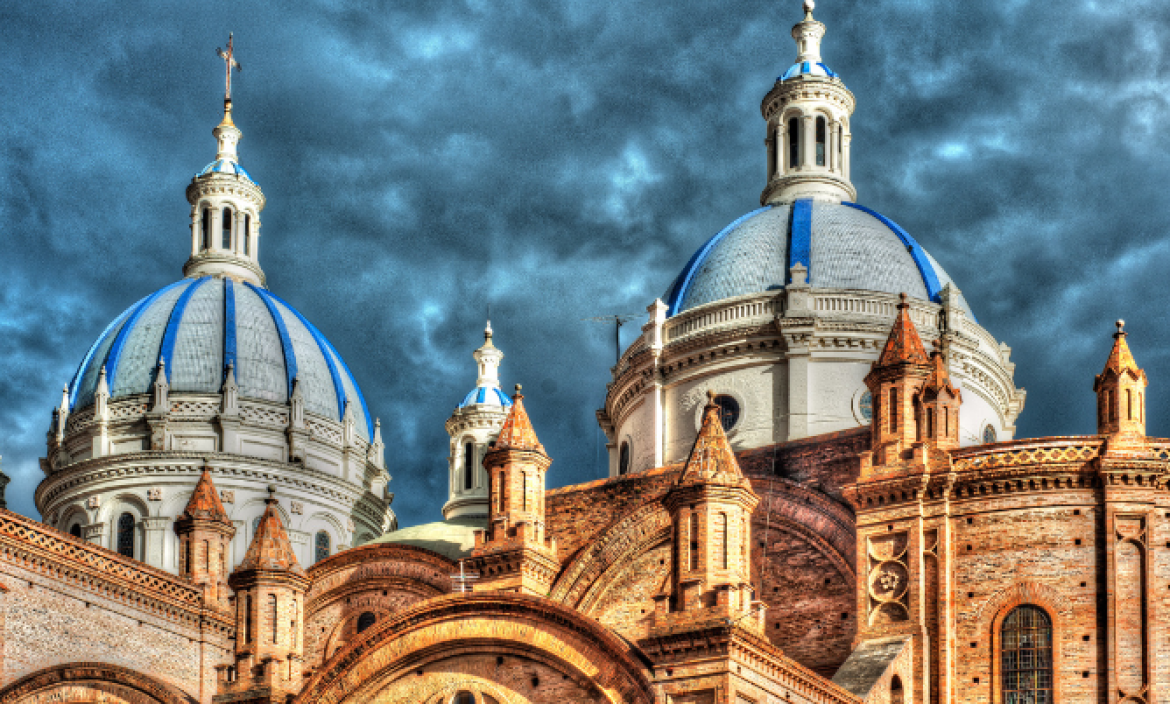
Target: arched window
840	138
75	530
463	698
249	622
694	541
205	225
728	411
793	143
1129	404
247	235
893	410
227	228
989	434
322	545
1026	650
724	537
206	556
624	458
256	524
821	135
469	466
126	535
366	620
897	696
272	616
865	405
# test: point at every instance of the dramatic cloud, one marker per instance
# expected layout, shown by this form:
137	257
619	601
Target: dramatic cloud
560	160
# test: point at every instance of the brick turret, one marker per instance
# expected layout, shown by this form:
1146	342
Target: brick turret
205	531
513	554
1121	392
894	383
938	405
711	507
270	592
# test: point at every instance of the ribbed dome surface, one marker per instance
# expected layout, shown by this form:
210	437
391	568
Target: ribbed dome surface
486	396
226	166
807	68
843	246
199	326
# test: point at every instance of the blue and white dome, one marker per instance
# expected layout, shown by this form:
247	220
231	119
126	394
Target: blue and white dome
200	326
226	166
808	68
843	245
486	396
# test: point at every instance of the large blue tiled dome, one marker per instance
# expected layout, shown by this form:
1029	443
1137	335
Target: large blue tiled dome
198	327
843	245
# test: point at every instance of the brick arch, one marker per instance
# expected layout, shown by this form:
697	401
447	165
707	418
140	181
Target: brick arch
84	681
475	624
990	617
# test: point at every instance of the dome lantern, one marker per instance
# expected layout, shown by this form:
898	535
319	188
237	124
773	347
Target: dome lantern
225	204
808	113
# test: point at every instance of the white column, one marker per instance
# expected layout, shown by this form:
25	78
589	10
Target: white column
845	154
195	231
831	146
808	137
781	138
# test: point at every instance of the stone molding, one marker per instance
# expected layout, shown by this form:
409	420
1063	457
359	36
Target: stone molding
148	690
352	570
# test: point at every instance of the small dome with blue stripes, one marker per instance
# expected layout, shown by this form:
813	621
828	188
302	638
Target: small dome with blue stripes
843	245
226	166
486	396
807	68
198	326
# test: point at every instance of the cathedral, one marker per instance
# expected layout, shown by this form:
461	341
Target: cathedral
814	491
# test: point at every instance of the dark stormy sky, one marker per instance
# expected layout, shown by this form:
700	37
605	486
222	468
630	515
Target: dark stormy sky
562	160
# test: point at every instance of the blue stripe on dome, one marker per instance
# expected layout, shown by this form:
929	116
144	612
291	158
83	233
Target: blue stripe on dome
229	327
115	354
800	234
76	384
829	71
929	277
167	351
482	395
679	293
338	387
290	355
356	389
504	400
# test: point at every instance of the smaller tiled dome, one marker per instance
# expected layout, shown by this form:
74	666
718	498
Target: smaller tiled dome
486	396
808	68
226	166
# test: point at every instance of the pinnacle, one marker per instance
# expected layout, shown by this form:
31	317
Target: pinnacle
204	502
270	548
1120	358
711	457
939	379
904	344
517	433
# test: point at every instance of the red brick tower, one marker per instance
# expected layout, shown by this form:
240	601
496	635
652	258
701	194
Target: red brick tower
894	383
270	590
711	507
512	554
1121	392
204	532
939	404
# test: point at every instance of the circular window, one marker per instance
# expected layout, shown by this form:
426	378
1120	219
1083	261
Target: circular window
989	434
624	458
865	406
366	620
728	411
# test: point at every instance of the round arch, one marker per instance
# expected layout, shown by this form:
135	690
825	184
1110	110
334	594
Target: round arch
990	617
90	681
493	624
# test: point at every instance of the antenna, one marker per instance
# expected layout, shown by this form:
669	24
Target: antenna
618	321
461	580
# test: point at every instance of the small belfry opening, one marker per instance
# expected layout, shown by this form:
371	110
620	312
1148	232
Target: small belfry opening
793	143
821	138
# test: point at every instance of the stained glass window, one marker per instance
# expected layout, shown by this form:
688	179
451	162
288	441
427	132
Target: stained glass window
1026	651
865	405
728	411
989	434
322	545
126	535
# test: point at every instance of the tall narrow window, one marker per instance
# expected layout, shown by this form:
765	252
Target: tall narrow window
897	696
206	556
205	225
821	134
247	235
185	568
503	491
1112	407
930	423
126	535
323	548
893	410
525	497
227	228
272	616
249	619
840	138
724	537
1129	404
469	466
793	143
694	541
624	458
1026	649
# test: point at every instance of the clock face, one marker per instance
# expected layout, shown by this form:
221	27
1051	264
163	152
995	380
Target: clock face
866	406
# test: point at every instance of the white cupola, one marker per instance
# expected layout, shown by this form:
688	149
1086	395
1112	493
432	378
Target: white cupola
225	206
473	425
808	112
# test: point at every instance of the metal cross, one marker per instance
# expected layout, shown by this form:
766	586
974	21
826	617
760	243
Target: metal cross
230	62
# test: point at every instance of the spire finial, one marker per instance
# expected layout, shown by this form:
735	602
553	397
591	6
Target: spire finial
809	6
1120	327
229	63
